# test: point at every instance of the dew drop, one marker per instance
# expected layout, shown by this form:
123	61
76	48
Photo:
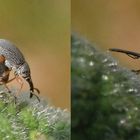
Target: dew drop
135	108
113	64
91	63
123	121
132	90
129	117
81	59
105	60
105	77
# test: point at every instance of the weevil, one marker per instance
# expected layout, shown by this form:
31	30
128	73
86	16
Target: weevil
11	59
131	54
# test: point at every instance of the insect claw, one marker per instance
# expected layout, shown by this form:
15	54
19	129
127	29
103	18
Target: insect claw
32	94
32	89
37	97
38	91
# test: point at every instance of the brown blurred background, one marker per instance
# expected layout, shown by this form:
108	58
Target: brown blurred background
41	30
110	24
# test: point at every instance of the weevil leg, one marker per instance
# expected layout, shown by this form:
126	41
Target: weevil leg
132	56
5	83
32	94
38	91
32	89
19	80
11	80
8	90
2	59
4	79
136	71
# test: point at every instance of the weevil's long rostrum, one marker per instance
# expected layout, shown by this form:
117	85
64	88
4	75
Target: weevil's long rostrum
11	58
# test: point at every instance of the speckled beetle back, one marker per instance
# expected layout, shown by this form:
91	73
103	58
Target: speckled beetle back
11	53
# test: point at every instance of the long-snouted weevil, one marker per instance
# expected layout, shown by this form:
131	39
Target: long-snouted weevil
131	54
11	59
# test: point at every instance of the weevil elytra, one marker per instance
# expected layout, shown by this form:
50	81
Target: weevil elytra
11	59
131	54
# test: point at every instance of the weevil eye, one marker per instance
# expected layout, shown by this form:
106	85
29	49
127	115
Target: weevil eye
25	74
24	71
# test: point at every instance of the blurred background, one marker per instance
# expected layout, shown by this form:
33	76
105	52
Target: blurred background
109	24
41	31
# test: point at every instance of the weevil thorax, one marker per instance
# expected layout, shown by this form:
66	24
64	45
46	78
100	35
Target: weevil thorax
24	71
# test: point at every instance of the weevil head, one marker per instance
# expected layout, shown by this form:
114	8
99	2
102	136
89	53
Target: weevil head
24	71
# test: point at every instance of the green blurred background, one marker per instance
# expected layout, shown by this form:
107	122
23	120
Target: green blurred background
41	29
109	24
